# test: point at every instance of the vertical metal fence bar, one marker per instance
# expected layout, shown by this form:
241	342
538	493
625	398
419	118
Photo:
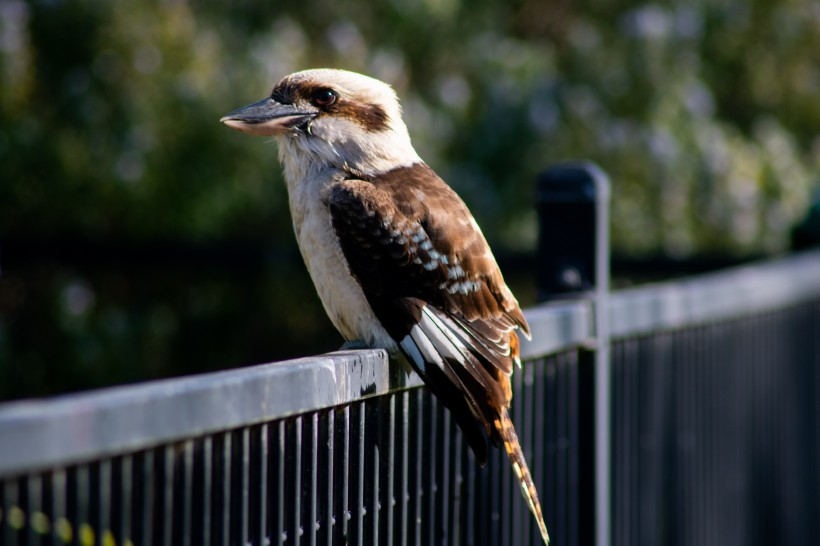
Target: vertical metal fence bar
742	436
103	524
223	516
813	326
430	468
562	465
813	386
662	364
416	476
620	529
373	461
34	506
187	494
82	494
13	516
493	477
58	507
387	500
696	440
445	500
484	478
585	363
166	522
280	527
261	531
746	339
717	422
126	494
146	509
357	504
459	488
687	531
296	479
575	425
311	468
403	490
632	411
470	525
242	520
207	480
341	477
326	447
788	418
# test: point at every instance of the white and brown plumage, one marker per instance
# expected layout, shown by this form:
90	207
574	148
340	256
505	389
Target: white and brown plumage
397	259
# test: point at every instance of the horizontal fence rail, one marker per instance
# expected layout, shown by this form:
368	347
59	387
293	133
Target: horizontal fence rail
714	422
724	295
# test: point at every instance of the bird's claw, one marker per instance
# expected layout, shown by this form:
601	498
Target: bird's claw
354	345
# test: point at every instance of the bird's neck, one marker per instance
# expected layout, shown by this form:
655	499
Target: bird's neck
305	158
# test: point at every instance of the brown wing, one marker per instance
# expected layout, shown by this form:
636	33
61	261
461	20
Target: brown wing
433	282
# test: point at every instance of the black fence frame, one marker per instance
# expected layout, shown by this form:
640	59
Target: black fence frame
346	448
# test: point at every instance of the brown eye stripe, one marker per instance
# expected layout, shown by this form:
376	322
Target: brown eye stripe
370	116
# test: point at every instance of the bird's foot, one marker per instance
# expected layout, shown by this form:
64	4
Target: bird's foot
354	345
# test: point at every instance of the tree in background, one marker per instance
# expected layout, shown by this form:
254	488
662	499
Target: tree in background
704	115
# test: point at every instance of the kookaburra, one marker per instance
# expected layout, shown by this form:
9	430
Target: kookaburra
397	259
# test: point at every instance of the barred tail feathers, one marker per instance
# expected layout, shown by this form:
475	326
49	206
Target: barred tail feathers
505	429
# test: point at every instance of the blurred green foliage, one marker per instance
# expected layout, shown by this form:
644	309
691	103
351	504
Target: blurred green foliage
704	113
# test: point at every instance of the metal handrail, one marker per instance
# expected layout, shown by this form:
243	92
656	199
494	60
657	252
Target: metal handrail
710	297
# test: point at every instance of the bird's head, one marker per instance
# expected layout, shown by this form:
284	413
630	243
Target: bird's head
330	119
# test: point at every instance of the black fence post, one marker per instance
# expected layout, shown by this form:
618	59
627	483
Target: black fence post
573	262
572	203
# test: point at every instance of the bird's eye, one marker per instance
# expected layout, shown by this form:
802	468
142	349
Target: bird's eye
324	97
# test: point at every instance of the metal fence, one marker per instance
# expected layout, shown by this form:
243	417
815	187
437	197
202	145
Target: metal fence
710	437
339	449
715	409
714	425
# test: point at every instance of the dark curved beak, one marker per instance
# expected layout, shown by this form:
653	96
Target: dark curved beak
266	118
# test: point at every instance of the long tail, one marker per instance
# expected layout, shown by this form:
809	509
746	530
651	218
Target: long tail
505	428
